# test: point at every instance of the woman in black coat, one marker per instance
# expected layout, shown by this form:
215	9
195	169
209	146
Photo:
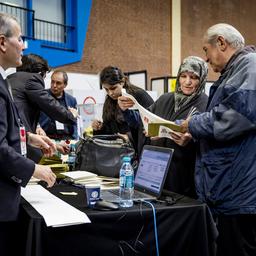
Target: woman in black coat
191	80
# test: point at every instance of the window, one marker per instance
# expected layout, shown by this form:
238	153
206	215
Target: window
50	28
138	78
158	85
20	3
10	7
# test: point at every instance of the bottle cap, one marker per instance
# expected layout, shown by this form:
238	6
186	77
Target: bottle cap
126	159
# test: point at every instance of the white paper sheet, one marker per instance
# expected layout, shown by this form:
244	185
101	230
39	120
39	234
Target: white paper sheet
33	181
148	117
55	211
79	175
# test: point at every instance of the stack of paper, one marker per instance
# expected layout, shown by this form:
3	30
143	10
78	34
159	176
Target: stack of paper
109	183
56	164
79	175
84	177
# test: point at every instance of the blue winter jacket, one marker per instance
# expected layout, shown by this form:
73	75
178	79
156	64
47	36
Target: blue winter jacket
226	164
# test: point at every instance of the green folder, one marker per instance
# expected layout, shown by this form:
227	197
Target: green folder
55	163
153	128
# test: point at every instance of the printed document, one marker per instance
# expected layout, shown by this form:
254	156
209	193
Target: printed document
154	125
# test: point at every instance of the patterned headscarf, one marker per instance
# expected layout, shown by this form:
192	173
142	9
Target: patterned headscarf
197	66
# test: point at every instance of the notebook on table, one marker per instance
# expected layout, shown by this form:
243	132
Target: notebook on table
150	176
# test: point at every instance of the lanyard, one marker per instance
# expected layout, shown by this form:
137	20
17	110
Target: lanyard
23	139
9	88
22	130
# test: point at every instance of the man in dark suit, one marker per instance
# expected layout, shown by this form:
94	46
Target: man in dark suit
15	168
30	97
53	129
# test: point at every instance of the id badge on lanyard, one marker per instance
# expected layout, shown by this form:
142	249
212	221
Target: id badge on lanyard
59	126
23	144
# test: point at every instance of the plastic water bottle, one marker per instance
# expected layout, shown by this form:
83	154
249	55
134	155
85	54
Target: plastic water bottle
126	181
72	157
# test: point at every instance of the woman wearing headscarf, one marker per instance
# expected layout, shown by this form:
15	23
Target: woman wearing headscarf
190	83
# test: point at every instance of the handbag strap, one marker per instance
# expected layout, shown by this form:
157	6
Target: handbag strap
109	137
108	141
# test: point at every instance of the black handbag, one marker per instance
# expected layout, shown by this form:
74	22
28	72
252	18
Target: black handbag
102	154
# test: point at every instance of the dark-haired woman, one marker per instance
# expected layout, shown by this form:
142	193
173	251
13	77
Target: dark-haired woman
113	81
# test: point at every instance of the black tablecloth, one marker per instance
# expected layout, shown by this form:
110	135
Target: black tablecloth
184	229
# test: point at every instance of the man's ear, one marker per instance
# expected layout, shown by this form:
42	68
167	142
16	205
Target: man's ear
2	43
222	43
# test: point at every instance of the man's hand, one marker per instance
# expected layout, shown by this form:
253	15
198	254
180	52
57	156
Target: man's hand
40	131
184	125
73	111
152	138
125	102
181	139
63	147
43	172
96	125
43	142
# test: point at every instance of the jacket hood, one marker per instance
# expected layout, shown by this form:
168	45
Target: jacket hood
245	50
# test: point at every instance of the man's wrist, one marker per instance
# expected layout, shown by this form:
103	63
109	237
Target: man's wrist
184	126
28	134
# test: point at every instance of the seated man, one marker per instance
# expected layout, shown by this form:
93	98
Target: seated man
53	128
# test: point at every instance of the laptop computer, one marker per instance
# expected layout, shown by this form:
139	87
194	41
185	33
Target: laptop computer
150	176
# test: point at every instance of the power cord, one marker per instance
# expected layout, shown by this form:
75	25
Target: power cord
132	246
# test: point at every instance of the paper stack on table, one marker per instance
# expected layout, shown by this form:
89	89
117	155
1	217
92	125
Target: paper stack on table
109	183
79	175
84	177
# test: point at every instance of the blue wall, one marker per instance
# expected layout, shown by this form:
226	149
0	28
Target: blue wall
77	15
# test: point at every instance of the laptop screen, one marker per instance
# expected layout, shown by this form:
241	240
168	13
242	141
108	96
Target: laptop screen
152	169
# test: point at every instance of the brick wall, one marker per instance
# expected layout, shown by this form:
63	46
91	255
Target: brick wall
136	34
131	34
201	14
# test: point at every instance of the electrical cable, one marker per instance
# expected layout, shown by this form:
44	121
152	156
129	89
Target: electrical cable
133	248
155	226
137	242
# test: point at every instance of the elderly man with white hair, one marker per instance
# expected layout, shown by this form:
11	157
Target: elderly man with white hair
226	164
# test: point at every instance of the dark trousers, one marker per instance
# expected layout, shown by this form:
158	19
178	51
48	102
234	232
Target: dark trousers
237	235
9	239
